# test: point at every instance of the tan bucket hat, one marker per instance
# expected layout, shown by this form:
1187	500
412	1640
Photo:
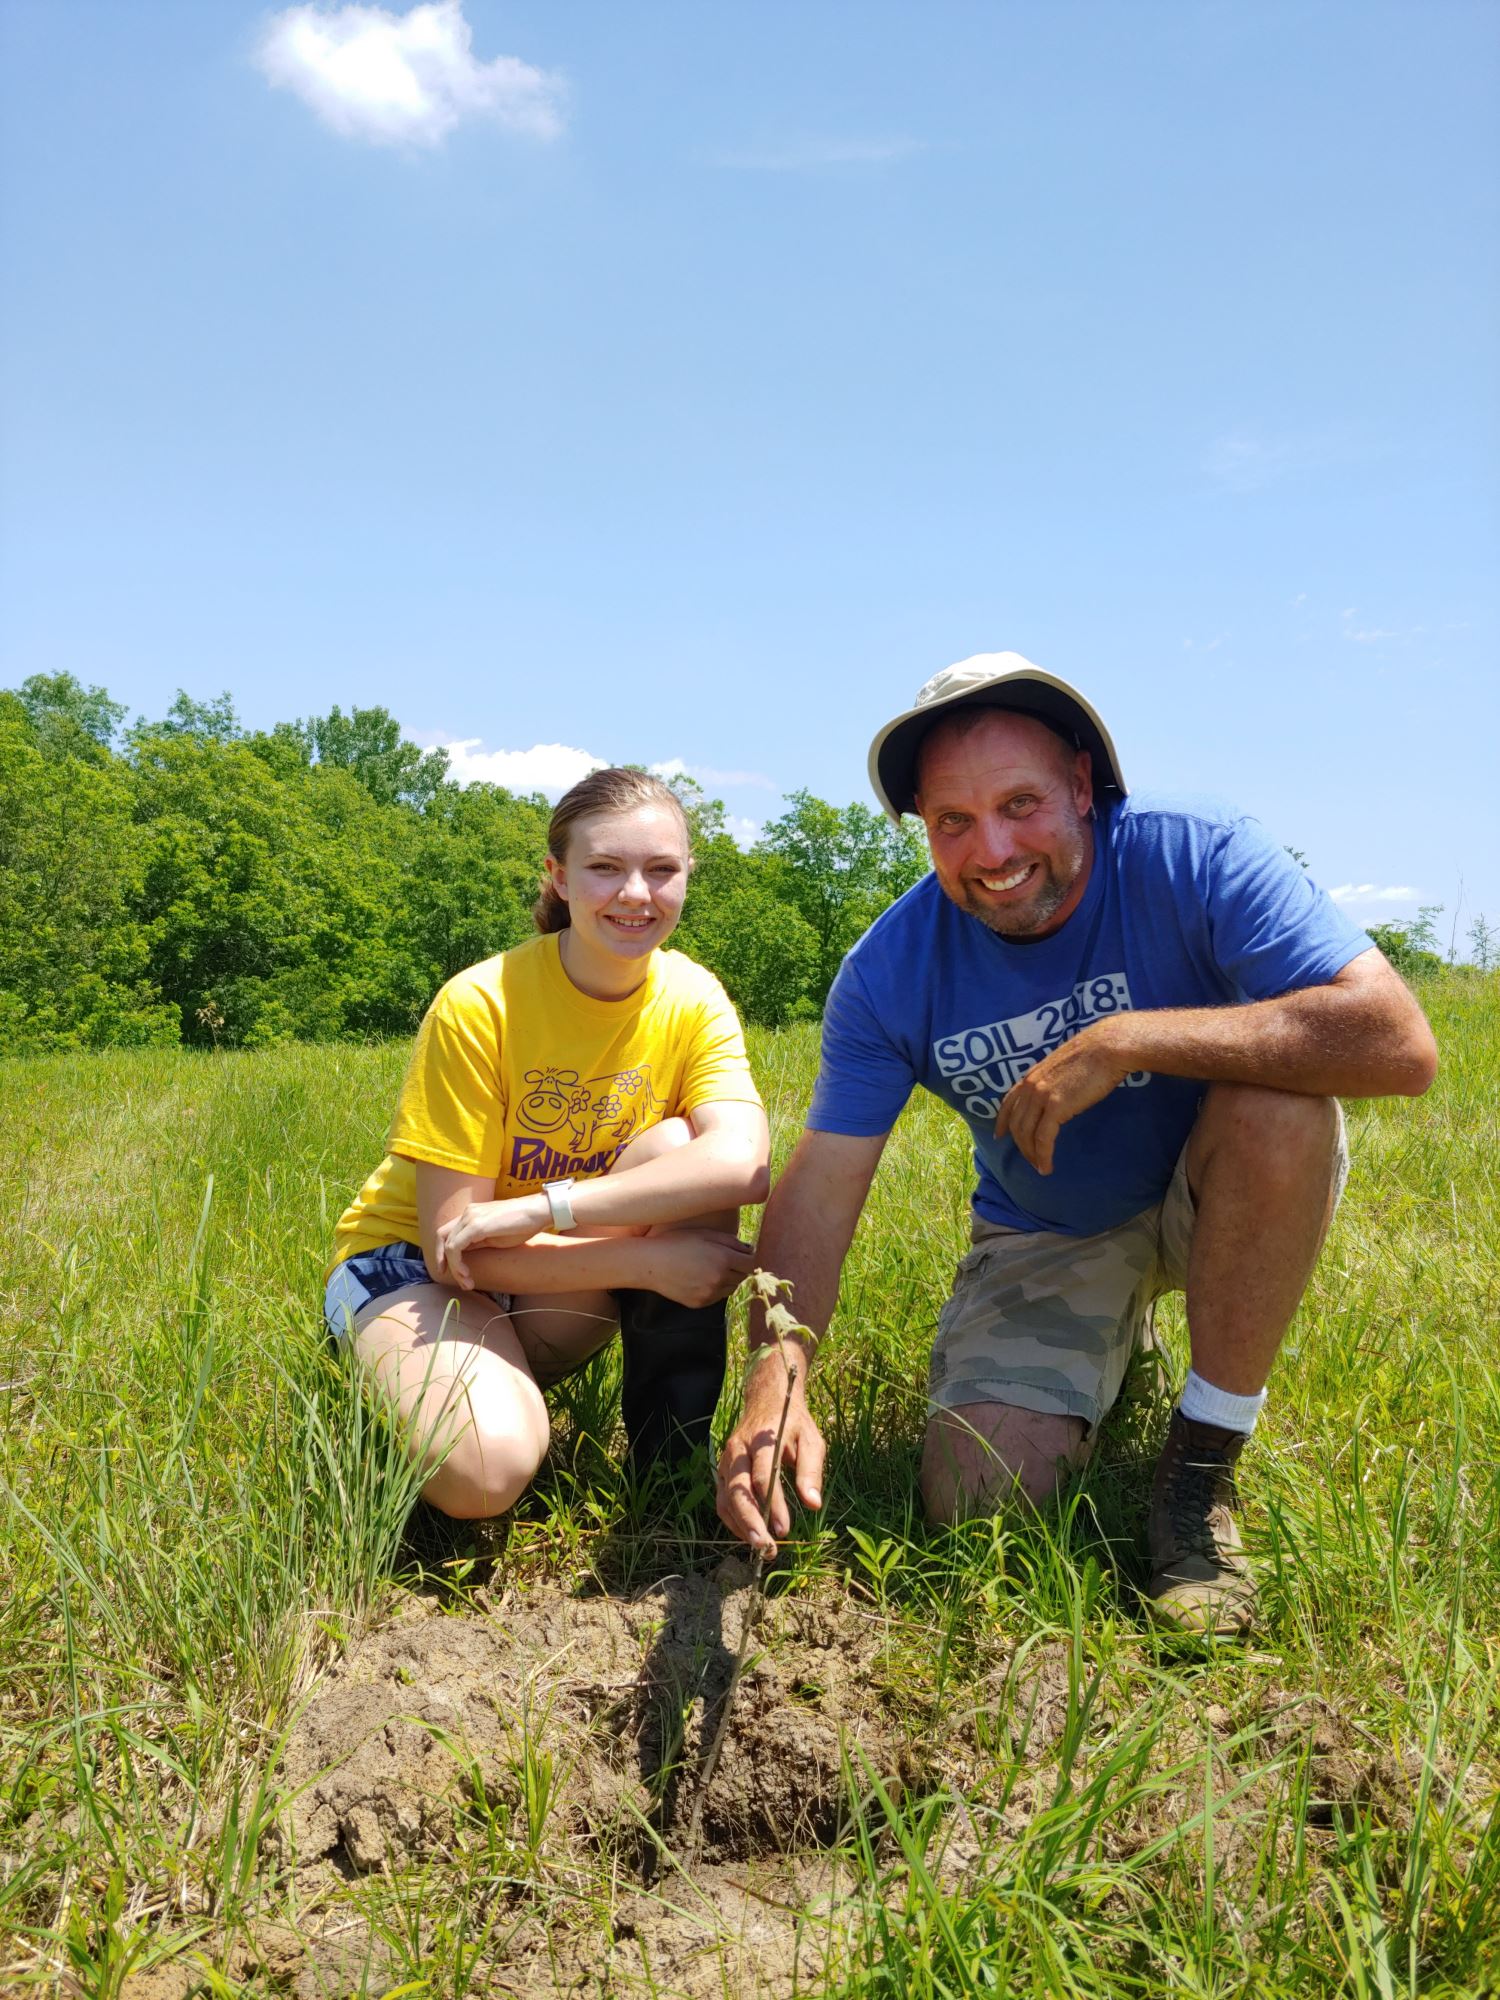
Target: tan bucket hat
988	680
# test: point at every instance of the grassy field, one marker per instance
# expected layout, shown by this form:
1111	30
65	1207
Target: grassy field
202	1532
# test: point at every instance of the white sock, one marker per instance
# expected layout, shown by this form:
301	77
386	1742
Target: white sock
1202	1403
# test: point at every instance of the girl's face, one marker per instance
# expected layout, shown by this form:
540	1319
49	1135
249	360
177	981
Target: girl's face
624	880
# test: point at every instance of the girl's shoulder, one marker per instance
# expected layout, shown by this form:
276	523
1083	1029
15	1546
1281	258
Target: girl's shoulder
682	981
488	985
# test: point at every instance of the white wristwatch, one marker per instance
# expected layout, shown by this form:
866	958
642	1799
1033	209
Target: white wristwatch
560	1200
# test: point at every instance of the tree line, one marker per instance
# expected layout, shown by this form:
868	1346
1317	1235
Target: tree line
191	881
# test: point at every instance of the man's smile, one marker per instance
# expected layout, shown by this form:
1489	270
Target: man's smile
998	884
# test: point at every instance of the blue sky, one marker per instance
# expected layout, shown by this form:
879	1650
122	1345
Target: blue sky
685	382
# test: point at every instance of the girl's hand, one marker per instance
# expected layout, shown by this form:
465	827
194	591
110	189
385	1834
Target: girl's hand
497	1225
697	1266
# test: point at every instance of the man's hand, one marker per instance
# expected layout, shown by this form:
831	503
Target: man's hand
1072	1078
697	1266
491	1225
745	1462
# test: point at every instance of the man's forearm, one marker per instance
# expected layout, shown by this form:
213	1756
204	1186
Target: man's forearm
808	1227
1327	1041
791	1247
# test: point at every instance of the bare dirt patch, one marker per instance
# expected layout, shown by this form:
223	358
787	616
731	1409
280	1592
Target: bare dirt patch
558	1721
546	1740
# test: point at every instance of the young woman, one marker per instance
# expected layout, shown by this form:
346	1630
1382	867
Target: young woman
577	1131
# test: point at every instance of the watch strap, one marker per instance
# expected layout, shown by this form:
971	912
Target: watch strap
560	1201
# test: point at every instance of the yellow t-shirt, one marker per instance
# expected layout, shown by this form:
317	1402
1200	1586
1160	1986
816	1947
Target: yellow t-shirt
519	1076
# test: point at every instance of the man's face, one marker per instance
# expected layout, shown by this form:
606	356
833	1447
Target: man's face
1006	810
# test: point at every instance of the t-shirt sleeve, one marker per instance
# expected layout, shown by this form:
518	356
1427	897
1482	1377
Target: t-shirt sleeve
451	1111
717	1069
863	1078
1272	929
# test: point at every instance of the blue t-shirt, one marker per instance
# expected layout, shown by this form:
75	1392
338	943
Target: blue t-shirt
1188	904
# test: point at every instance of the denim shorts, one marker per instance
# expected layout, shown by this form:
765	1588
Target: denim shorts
369	1275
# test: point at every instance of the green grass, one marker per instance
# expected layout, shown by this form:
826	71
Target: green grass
197	1514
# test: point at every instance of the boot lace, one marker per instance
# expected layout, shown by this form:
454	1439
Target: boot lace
1195	1489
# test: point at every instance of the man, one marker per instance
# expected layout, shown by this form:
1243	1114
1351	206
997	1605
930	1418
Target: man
1146	1013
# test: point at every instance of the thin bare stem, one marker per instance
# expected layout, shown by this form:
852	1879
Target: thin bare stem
755	1603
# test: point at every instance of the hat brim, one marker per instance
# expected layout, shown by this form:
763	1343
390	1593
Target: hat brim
893	754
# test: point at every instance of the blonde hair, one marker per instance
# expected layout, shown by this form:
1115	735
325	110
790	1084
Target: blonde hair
616	789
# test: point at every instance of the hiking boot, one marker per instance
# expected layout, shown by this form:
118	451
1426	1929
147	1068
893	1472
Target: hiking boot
673	1372
1200	1580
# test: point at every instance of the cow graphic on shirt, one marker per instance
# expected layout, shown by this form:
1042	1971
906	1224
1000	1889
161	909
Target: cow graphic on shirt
581	1123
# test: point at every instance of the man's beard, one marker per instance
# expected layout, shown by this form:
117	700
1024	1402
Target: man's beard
1058	878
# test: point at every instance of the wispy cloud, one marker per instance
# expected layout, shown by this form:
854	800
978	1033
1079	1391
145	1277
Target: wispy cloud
1204	645
802	155
552	767
706	774
1246	464
1368	892
545	767
402	79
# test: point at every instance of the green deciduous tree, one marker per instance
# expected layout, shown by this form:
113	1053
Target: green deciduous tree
264	902
840	866
762	948
368	743
69	720
1411	943
73	960
321	879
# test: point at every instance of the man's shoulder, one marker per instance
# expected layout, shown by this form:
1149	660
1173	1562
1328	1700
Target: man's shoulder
1168	816
1176	833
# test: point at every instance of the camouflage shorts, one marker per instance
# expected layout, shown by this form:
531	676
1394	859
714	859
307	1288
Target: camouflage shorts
1049	1322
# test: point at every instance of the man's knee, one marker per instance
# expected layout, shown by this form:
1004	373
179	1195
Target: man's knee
1278	1131
991	1455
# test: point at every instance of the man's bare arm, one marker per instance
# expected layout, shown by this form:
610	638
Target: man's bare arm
1360	1035
809	1225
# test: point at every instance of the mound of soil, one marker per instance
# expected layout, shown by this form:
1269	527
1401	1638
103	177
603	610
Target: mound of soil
560	1721
533	1738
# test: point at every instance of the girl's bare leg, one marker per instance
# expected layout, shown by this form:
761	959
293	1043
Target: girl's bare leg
463	1391
465	1378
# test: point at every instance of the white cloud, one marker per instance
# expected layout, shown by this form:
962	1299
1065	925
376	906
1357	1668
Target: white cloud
1247	464
745	832
1367	892
1370	638
802	154
707	775
402	79
545	767
553	767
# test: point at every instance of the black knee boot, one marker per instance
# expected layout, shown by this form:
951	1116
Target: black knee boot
674	1370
